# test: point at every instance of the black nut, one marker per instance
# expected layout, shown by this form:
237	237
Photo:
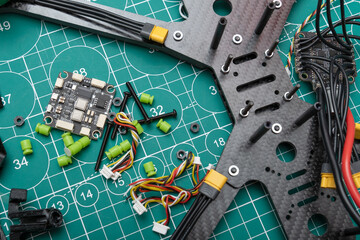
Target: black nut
19	121
181	154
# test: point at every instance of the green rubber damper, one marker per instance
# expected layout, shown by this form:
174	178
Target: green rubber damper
2	2
149	169
77	146
146	98
85	141
64	161
68	139
118	149
26	147
43	129
138	126
163	126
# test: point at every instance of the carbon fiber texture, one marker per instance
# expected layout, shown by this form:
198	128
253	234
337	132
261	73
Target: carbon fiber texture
252	159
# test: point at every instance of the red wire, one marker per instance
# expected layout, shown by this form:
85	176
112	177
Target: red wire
346	158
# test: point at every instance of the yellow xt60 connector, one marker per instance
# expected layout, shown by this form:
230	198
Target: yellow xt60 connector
158	34
215	179
357	131
327	181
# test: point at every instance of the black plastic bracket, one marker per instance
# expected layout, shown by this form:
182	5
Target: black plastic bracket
31	221
2	153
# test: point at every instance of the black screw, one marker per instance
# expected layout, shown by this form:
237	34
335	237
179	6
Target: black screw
289	95
270	52
103	145
244	112
171	114
142	110
122	108
226	67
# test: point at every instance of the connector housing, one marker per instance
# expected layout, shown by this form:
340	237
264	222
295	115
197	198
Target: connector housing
355	168
160	228
197	161
138	206
327	177
357	131
106	172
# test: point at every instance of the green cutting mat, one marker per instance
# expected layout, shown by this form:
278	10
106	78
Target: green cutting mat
32	53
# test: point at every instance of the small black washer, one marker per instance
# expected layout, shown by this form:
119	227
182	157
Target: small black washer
19	121
116	102
195	127
181	154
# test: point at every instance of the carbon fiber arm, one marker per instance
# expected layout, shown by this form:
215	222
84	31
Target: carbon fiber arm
251	159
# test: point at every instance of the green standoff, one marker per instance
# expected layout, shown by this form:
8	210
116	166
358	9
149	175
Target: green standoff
118	149
26	147
77	146
146	98
163	126
43	129
64	161
68	139
138	126
149	169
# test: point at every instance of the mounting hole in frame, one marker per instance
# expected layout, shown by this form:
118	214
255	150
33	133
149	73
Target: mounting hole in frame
286	152
222	7
318	224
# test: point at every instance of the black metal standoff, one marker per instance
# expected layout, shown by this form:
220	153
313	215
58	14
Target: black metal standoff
122	108
103	144
264	128
244	112
171	114
142	110
269	53
288	96
307	115
218	33
226	67
265	17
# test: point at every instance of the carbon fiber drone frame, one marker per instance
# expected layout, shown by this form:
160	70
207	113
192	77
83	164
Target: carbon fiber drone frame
261	80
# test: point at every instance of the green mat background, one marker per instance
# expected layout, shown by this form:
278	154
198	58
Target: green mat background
32	53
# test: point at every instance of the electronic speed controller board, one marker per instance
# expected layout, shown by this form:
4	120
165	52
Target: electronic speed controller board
79	104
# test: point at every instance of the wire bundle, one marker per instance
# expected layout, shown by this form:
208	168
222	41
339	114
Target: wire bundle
335	119
127	160
122	24
165	184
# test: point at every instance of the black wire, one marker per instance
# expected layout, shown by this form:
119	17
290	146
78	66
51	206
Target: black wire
340	187
194	207
95	11
343	24
331	26
65	7
320	36
348	20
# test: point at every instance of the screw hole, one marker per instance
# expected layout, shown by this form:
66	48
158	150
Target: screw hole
264	64
236	74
